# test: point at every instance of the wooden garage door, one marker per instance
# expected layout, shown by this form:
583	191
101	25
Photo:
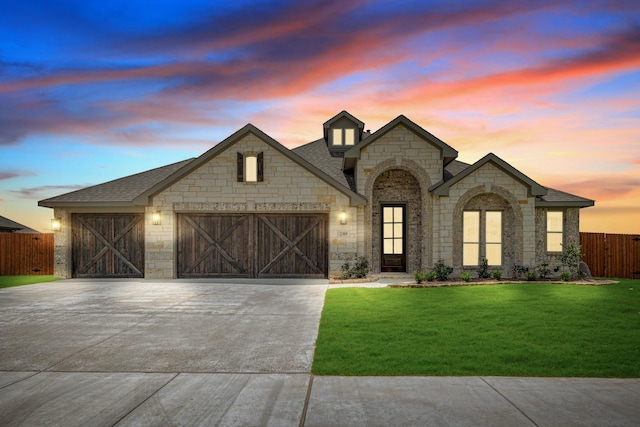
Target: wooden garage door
252	245
108	245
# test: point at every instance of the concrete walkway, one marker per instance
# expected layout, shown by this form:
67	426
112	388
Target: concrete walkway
157	353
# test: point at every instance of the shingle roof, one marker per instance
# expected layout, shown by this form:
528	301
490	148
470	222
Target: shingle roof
121	191
560	198
317	154
8	225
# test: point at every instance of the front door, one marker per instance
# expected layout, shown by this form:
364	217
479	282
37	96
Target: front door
393	257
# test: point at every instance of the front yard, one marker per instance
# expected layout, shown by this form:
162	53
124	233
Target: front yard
9	281
528	329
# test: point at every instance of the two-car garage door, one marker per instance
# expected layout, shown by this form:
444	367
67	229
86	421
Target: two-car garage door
252	245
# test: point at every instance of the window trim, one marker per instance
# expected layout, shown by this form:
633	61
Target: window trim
343	137
555	232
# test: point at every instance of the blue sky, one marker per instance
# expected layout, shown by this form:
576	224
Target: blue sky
93	91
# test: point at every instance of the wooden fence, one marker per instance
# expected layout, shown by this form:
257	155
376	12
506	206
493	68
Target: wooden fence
612	255
26	254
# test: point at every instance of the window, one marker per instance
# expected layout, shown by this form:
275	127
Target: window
345	137
392	227
482	237
250	167
554	231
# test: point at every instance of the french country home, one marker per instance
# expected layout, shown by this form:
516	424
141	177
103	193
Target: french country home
250	207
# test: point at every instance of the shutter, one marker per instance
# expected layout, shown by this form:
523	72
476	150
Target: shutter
240	167
260	168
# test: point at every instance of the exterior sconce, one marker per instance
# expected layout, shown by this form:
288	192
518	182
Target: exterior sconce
56	225
343	218
156	219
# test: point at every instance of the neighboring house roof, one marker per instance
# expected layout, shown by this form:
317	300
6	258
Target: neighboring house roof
119	192
447	152
7	225
335	181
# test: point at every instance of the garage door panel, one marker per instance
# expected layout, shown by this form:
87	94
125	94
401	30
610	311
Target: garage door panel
213	245
252	245
107	245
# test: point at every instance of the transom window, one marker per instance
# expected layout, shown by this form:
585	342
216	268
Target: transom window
344	137
482	237
554	231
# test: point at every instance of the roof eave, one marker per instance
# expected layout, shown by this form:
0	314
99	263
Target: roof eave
567	204
93	204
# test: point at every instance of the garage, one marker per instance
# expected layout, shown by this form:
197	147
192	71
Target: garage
107	245
252	245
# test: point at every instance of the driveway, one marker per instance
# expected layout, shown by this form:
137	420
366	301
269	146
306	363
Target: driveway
103	353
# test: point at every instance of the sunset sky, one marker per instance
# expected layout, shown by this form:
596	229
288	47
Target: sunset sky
92	91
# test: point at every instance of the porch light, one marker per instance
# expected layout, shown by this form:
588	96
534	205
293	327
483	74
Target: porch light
156	219
343	217
56	225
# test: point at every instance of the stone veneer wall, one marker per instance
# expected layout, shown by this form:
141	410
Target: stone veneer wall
287	188
571	231
491	180
398	186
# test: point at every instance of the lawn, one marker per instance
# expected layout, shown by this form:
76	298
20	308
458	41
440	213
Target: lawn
9	281
503	330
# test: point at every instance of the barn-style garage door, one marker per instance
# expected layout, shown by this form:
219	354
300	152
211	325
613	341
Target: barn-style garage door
108	245
252	245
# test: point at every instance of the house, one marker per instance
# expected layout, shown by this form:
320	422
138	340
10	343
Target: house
250	207
9	226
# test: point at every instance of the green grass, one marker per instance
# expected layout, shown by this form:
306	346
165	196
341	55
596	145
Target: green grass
9	281
503	330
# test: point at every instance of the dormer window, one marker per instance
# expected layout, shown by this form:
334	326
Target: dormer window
343	137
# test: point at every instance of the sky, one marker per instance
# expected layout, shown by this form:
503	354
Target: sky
92	91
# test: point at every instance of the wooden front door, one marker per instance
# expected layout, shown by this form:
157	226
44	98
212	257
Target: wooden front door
393	248
107	245
252	245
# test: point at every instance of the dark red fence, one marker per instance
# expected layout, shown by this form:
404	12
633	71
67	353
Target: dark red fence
26	254
612	255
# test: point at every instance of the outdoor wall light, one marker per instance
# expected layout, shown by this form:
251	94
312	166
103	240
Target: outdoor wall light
343	217
156	218
56	225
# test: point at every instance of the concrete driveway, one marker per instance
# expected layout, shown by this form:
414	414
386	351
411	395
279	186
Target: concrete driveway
130	352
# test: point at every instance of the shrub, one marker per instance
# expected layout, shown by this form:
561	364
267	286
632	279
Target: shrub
531	275
543	270
465	276
565	276
571	257
497	274
519	270
419	276
483	269
430	275
442	270
359	270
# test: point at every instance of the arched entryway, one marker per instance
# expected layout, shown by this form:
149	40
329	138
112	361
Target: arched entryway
396	222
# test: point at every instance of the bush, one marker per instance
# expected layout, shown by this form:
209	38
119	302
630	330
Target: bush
430	275
543	270
571	257
419	276
497	274
520	270
442	270
531	275
565	276
483	269
359	270
465	276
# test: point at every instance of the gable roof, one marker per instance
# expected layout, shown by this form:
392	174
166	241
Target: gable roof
343	114
557	198
535	189
145	197
448	154
119	192
14	227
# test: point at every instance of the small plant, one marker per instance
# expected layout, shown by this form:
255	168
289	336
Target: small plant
465	276
519	270
497	274
359	270
531	276
483	269
565	276
442	270
419	276
543	270
571	257
430	275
